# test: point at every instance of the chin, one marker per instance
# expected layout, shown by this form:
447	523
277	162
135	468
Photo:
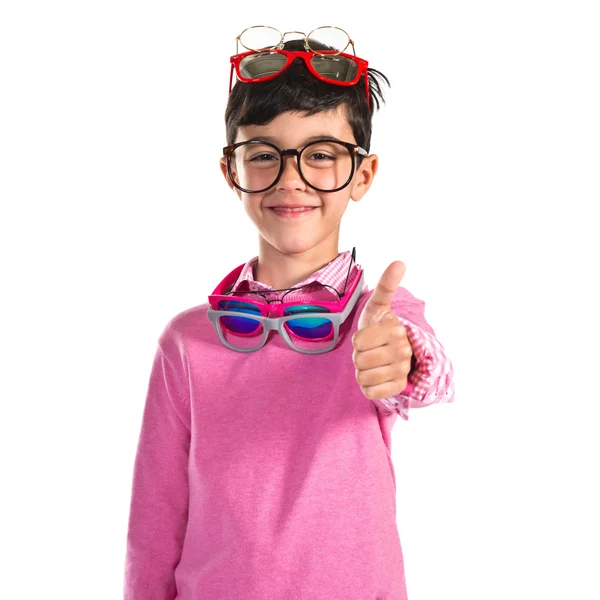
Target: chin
296	248
296	245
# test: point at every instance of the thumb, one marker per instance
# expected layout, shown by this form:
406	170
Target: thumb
379	303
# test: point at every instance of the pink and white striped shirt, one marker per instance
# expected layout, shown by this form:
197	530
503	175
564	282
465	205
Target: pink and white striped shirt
430	379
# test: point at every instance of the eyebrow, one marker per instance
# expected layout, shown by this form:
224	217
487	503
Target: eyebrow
314	138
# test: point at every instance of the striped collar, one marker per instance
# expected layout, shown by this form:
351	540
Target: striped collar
333	274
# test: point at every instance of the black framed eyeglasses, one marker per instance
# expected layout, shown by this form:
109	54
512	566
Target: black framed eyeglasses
325	165
298	292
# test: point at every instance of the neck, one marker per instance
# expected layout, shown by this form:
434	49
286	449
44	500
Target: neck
282	269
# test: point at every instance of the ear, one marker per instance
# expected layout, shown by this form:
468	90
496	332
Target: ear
363	178
223	165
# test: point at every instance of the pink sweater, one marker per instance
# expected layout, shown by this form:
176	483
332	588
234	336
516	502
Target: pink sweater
267	475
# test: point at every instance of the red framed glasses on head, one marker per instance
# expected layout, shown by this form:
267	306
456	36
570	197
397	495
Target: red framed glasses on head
266	61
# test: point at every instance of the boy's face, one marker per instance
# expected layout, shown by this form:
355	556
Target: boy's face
320	226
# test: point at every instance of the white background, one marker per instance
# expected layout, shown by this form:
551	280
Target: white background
115	217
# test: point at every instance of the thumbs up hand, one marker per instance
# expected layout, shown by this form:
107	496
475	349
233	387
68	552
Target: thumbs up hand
382	352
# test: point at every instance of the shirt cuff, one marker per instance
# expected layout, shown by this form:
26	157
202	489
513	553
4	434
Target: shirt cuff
430	379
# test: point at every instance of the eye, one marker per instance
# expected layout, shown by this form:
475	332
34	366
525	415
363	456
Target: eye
263	157
320	156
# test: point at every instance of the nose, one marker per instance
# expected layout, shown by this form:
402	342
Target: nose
290	177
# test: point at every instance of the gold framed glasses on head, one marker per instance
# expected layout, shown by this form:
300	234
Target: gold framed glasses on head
259	38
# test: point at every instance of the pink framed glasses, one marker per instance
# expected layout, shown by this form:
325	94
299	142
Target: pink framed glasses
306	323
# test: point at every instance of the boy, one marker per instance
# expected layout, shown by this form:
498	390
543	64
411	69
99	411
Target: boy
265	473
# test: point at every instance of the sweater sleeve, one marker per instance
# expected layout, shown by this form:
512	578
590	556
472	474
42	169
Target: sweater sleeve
159	494
431	378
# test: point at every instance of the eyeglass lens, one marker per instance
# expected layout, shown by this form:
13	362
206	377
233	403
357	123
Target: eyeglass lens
260	38
334	67
325	165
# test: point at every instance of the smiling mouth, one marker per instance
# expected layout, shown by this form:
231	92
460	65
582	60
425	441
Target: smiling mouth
279	209
292	214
